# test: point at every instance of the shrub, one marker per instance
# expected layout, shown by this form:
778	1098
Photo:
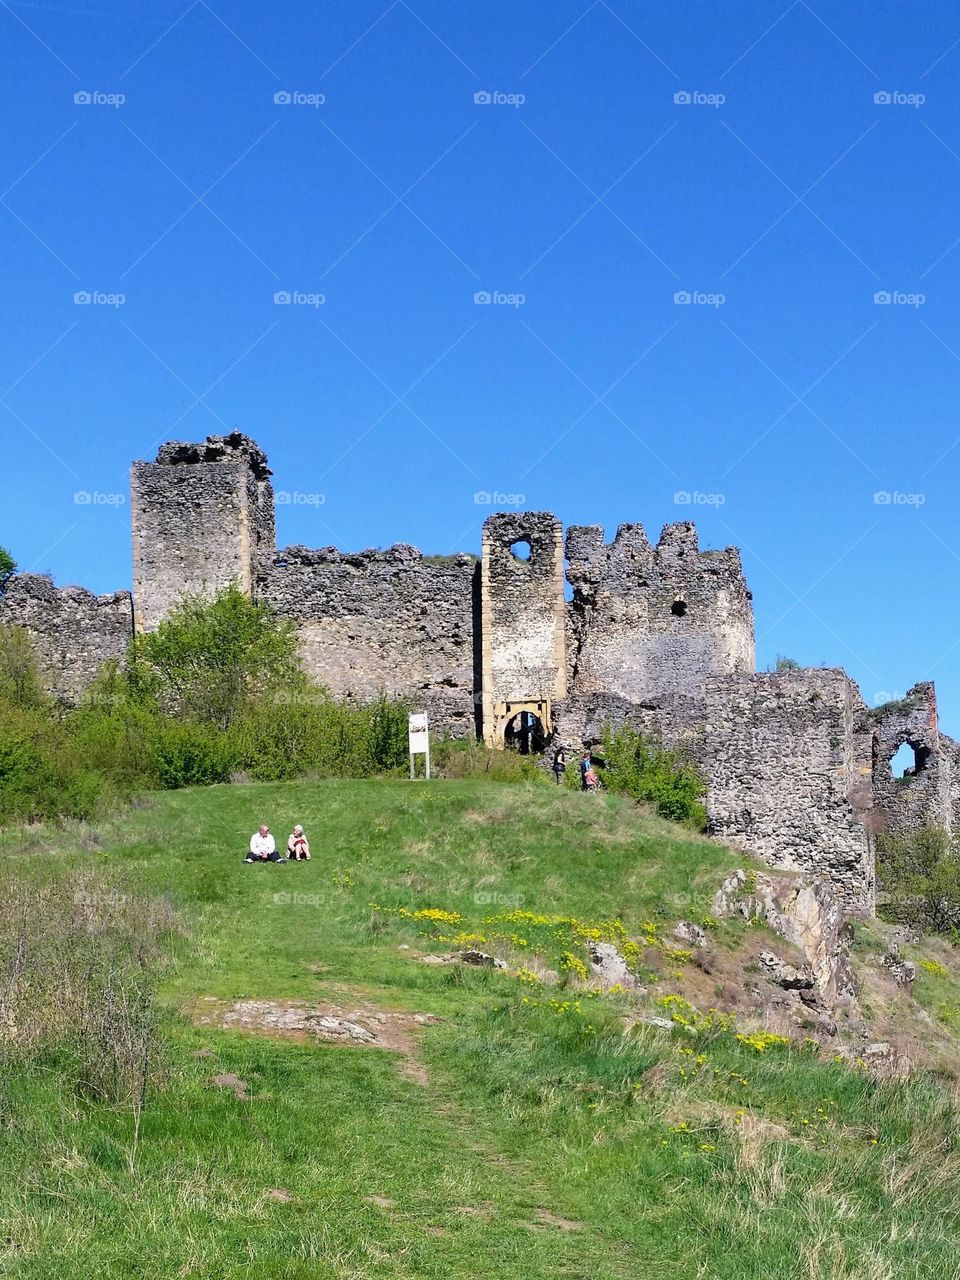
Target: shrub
210	660
642	769
191	755
919	876
20	683
7	564
465	758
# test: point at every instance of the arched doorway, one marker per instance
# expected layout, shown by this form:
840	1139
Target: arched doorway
525	734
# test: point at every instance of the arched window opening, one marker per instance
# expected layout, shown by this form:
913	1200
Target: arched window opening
909	760
679	608
521	550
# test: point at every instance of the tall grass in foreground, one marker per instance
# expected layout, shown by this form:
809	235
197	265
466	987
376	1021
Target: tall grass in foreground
77	992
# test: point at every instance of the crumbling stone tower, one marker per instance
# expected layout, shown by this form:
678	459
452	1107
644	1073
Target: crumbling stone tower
202	516
648	627
523	644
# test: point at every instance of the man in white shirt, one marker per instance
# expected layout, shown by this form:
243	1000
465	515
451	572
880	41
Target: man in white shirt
263	847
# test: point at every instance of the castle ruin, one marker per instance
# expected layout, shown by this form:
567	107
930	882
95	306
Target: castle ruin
659	637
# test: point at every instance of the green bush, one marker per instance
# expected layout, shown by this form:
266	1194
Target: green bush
40	773
464	758
191	755
919	879
642	769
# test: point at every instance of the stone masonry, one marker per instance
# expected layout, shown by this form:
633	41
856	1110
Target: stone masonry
659	637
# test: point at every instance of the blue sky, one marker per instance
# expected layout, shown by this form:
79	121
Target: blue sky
620	154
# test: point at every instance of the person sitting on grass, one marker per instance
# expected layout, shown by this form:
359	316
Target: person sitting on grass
298	846
263	847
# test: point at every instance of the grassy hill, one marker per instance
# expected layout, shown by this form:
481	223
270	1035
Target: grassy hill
509	1124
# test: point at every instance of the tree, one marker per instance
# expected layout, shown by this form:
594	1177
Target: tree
919	875
7	564
211	659
20	683
644	770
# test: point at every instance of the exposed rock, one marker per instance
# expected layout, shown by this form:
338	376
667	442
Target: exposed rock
808	913
608	966
903	971
690	933
472	956
785	975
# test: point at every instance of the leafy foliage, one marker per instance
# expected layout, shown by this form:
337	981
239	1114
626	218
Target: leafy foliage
210	660
920	880
644	770
7	563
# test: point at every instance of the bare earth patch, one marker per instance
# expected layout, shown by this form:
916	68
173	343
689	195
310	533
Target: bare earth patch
551	1220
365	1026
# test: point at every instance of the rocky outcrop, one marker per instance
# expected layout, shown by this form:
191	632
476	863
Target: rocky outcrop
806	912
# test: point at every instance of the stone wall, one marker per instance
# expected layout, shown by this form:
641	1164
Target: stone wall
390	621
73	631
922	798
648	626
523	622
789	778
203	516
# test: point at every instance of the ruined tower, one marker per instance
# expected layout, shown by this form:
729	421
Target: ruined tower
202	516
523	658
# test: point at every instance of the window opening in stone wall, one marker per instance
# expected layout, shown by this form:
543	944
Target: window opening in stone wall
908	760
679	608
524	734
521	550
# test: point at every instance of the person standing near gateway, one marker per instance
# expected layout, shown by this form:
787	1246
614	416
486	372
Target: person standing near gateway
559	764
585	769
263	847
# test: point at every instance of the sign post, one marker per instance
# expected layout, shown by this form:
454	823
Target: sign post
418	732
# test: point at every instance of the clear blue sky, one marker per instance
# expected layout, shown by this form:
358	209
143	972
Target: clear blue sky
598	197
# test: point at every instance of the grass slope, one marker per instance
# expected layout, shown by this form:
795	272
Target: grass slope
540	1141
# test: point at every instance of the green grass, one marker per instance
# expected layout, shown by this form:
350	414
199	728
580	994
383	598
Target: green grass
676	1154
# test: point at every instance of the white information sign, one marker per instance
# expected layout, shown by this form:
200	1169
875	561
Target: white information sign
418	732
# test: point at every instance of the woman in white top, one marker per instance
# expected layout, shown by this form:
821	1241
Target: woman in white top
298	846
